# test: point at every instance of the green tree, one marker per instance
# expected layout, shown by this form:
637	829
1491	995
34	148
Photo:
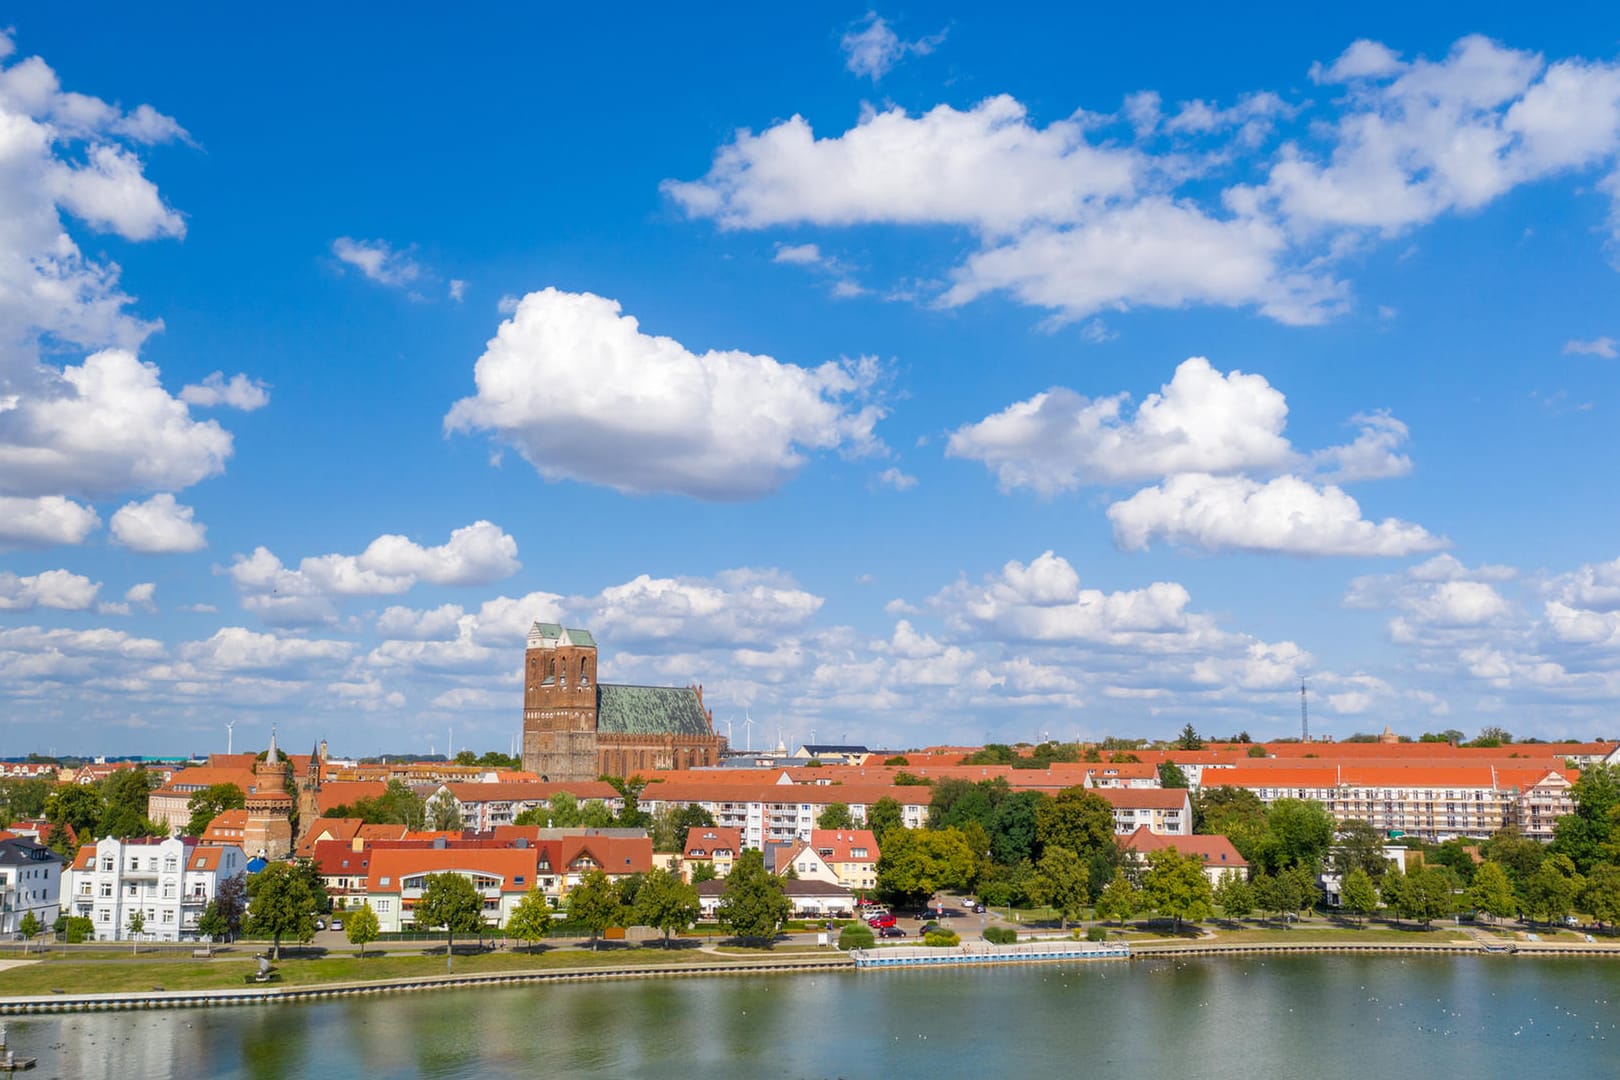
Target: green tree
835	816
1063	881
957	802
595	902
1235	813
206	805
450	900
704	871
906	779
1189	739
1256	751
1119	901
1013	835
1490	737
29	927
211	924
79	929
753	904
397	805
1171	776
595	815
1455	856
530	919
1587	836
125	793
443	813
666	902
883	815
1601	896
23	798
77	806
1549	894
1431	893
1298	833
361	927
898	759
1176	887
137	924
1234	895
1359	846
1077	819
916	863
1492	892
1514	852
1358	894
631	816
282	903
687	818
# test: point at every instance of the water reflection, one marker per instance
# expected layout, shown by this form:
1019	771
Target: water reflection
1235	1018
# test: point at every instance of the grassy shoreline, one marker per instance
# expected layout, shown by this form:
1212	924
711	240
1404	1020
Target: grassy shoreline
57	979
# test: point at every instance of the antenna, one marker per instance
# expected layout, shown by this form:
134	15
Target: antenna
1304	715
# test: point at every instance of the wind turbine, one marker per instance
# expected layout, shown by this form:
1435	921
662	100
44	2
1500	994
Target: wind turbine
748	731
230	736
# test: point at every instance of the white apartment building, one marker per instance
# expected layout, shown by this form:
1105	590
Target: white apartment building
30	881
169	881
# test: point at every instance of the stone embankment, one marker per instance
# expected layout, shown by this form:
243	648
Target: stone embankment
275	995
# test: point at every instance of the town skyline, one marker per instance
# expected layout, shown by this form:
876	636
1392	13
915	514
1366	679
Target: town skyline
902	377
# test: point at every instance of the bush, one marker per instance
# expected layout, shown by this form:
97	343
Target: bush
856	936
1000	935
79	930
1097	933
942	939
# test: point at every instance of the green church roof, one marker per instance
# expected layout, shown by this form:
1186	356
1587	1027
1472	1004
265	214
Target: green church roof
650	710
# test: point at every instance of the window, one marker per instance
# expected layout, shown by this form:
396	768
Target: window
106	888
383	906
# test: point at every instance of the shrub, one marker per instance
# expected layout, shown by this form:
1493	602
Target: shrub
1000	935
942	939
1097	933
79	930
856	936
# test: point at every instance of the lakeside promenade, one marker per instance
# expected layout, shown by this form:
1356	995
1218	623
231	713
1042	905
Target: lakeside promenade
709	961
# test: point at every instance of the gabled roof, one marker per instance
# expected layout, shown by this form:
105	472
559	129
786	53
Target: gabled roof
840	845
1144	798
21	852
650	710
702	843
395	864
1213	850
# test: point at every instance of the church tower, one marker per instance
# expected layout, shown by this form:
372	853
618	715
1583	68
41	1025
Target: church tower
559	704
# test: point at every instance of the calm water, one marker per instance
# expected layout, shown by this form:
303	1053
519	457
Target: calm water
1305	1017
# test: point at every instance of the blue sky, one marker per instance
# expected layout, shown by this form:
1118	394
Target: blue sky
909	375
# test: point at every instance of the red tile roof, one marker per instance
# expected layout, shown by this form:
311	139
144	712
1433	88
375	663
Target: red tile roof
1214	850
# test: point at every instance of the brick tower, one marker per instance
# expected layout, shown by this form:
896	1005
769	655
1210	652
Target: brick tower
559	703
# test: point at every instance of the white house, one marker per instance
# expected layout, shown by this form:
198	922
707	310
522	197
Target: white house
169	881
30	881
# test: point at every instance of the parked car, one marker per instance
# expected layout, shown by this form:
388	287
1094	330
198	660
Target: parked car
928	928
878	922
337	924
978	909
320	924
890	931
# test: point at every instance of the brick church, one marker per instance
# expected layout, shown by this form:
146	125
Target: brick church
575	728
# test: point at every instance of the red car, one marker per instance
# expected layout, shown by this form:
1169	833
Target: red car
878	922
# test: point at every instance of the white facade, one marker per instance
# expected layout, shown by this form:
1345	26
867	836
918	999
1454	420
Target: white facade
168	881
30	881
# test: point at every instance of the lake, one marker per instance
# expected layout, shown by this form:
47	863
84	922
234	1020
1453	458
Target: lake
1361	1017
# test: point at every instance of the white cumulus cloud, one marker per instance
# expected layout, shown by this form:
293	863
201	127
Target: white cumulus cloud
158	526
60	589
1285	515
584	394
43	521
237	392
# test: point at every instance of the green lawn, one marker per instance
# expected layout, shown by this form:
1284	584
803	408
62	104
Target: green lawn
1322	933
78	977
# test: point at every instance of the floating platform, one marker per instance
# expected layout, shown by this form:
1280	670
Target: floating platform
1028	952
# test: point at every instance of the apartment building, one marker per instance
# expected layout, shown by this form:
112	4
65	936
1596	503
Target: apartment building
1429	802
30	881
1162	811
844	857
169	881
